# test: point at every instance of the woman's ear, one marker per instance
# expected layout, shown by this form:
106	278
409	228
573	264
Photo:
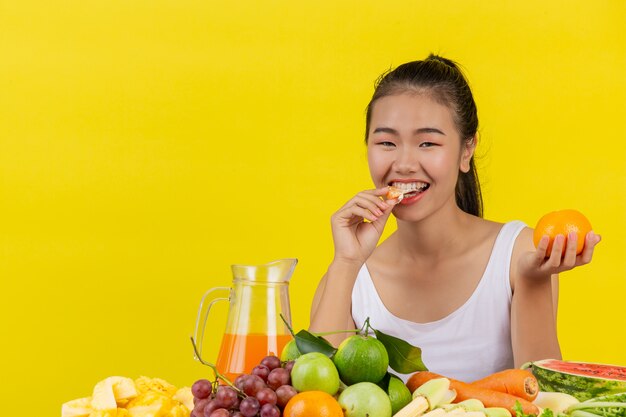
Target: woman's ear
467	152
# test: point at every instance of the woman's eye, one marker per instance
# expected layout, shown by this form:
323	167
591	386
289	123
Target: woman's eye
426	144
387	144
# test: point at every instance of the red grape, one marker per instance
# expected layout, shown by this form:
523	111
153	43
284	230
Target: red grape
269	410
253	384
239	381
278	377
209	408
198	408
261	371
201	388
220	412
225	397
249	406
288	365
266	396
284	394
271	362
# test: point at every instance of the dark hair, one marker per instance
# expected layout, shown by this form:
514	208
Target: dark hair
443	80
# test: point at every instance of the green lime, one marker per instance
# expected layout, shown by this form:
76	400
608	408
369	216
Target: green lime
361	359
399	394
290	351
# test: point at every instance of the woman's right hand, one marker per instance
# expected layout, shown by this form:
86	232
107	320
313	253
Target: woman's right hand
358	225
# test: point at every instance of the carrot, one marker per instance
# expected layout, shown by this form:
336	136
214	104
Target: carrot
465	391
519	382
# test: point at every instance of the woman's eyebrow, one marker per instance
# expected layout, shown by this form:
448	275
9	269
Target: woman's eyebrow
428	130
415	132
386	130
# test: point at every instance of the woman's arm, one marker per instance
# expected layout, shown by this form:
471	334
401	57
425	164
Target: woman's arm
534	281
356	227
332	305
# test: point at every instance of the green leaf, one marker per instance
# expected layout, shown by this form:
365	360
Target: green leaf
519	411
403	357
308	342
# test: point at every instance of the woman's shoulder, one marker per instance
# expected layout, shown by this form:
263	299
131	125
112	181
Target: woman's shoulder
483	229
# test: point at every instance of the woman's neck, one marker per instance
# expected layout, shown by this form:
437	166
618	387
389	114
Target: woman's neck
444	233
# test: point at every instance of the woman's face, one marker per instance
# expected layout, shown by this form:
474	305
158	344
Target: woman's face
413	144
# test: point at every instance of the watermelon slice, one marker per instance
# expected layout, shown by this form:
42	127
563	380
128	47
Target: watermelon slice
580	379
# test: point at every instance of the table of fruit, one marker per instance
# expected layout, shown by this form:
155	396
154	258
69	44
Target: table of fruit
311	378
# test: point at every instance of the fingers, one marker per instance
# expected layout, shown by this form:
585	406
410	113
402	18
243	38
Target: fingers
557	251
561	261
569	259
365	205
591	240
542	248
379	223
369	199
562	256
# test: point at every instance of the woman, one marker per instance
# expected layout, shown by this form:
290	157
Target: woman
475	295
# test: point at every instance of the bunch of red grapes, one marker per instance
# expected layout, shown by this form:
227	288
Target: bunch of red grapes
264	392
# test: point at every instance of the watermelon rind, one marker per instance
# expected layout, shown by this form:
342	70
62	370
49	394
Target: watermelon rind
583	387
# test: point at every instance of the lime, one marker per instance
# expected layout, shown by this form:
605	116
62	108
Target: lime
361	359
399	394
290	351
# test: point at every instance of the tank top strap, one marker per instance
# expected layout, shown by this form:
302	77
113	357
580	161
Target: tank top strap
499	266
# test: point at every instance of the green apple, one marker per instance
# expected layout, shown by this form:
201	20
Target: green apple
315	371
365	399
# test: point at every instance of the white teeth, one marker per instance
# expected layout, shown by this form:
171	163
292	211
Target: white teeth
409	186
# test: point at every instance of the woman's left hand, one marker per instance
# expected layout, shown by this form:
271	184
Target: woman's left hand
541	264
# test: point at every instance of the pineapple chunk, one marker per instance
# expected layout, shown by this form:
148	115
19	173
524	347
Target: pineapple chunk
179	411
80	407
145	384
103	396
113	391
150	404
103	413
184	396
123	388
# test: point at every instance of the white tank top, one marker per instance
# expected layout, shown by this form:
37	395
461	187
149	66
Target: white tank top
471	342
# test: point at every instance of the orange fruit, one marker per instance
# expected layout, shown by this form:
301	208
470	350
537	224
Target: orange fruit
562	222
312	404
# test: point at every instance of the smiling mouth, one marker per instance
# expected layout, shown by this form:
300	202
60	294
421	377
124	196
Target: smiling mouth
410	189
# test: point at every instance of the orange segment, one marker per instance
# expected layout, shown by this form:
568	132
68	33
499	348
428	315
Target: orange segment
394	193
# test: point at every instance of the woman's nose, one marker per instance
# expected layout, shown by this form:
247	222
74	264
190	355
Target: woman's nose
406	162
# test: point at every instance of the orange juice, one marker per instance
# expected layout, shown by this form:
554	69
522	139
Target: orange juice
240	353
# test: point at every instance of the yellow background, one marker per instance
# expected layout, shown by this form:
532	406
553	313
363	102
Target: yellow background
147	145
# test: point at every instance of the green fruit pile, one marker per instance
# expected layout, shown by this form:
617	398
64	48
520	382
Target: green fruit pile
359	366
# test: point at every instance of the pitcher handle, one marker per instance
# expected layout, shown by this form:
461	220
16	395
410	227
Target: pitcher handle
199	329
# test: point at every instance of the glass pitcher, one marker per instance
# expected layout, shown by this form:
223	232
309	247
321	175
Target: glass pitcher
254	328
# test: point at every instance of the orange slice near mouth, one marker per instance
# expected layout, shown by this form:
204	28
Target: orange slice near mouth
394	193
